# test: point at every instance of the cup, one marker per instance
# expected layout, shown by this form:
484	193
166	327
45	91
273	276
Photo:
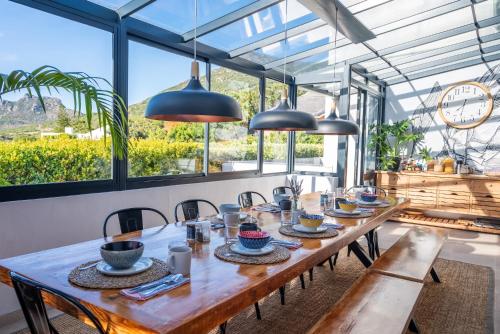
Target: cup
285	204
231	218
286	217
249	227
223	208
231	226
179	260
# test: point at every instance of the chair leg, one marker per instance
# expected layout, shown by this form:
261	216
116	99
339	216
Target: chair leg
222	328
413	326
302	283
257	311
336	257
311	274
349	252
375	239
282	295
435	276
330	262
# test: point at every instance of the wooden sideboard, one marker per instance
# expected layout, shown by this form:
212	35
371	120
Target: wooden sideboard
476	195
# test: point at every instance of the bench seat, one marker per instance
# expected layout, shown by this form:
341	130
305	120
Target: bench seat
376	303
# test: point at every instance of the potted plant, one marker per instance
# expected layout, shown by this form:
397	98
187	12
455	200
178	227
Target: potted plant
390	141
86	92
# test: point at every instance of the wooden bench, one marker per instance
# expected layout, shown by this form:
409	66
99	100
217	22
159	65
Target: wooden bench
412	257
376	303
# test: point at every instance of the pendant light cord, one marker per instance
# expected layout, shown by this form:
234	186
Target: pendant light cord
286	41
195	26
335	54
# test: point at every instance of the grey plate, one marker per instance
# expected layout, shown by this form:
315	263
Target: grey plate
304	229
239	249
140	266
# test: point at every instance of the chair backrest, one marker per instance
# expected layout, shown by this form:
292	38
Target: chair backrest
130	219
29	294
245	199
281	190
191	209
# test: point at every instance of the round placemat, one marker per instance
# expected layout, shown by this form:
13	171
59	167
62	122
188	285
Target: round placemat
91	278
332	213
289	231
279	254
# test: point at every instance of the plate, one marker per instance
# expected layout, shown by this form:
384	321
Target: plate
304	229
374	203
243	216
140	266
239	249
347	213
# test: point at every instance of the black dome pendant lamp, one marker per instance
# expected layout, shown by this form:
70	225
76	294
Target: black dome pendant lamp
193	103
282	117
332	125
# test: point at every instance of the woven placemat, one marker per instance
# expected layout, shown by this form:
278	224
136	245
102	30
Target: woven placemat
289	231
279	254
332	213
91	278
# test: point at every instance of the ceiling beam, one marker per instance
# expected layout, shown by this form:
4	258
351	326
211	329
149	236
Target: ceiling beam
132	6
347	24
230	18
318	78
445	69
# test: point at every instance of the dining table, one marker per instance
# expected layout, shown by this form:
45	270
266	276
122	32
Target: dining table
218	289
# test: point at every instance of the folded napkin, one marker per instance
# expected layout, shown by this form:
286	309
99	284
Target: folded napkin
287	243
149	293
216	226
336	226
267	208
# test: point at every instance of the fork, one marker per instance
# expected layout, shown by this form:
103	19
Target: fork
148	293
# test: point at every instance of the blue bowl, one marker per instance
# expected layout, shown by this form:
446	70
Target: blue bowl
366	197
254	239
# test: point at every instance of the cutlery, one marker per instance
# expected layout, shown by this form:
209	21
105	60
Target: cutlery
148	293
150	285
89	266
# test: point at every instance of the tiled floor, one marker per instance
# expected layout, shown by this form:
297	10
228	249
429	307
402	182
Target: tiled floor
471	247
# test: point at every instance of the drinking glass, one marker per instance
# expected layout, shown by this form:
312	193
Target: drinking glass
286	217
338	195
231	227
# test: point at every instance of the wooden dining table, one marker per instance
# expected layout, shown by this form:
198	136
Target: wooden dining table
218	289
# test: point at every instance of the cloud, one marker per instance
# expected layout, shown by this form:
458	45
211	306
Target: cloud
4	56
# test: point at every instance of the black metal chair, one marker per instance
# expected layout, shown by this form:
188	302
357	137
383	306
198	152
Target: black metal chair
130	219
29	294
191	209
245	199
281	190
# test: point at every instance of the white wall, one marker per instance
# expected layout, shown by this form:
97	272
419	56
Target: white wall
403	99
34	225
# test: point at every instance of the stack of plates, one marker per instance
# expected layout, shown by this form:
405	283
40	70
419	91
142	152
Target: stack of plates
239	249
305	229
140	266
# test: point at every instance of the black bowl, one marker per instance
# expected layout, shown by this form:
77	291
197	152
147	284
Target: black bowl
122	254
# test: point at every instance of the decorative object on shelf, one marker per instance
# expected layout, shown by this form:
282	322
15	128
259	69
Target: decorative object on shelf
282	117
465	105
390	141
449	165
332	125
193	103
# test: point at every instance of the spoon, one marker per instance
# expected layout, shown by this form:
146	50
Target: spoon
89	266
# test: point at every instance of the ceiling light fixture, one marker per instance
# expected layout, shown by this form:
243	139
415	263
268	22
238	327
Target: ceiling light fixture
193	103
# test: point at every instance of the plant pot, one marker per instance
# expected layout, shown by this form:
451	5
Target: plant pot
396	163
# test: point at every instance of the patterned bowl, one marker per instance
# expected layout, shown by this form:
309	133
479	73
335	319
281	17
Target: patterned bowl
122	254
254	239
367	197
313	221
348	206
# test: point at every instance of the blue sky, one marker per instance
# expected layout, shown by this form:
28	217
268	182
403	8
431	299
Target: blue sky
31	38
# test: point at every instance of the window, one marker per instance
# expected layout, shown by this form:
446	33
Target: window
156	147
233	147
275	142
311	154
38	147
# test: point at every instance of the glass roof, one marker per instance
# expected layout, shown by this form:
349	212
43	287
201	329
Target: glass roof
411	36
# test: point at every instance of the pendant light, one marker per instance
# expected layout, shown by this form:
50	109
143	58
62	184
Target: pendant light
193	103
282	117
332	125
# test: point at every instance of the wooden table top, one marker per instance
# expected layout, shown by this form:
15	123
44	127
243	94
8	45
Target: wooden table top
218	290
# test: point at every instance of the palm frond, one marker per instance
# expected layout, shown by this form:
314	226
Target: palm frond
98	102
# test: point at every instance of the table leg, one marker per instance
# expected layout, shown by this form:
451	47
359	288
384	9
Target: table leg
360	253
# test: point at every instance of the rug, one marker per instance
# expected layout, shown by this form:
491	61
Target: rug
462	303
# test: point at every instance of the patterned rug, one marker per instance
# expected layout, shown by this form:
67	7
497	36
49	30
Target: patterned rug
462	303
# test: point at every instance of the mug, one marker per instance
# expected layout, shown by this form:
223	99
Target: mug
279	197
249	227
179	260
285	204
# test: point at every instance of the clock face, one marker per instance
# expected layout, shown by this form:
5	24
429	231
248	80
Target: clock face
465	105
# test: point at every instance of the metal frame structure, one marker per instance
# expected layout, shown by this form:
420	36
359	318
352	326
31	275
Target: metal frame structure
125	27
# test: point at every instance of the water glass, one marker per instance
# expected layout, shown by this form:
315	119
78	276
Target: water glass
286	217
231	227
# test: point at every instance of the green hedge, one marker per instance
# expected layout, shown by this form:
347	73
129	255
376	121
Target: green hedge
63	159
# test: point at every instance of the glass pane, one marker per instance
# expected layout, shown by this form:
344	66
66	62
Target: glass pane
356	102
257	26
160	148
111	4
486	9
233	147
178	16
371	120
426	28
275	142
39	147
310	150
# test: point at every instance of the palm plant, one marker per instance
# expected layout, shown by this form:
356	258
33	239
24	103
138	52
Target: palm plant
85	89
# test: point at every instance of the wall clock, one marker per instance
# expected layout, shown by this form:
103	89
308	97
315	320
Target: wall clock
465	105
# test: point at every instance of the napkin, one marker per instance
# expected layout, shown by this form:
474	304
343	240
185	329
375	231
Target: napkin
267	208
164	287
287	243
336	226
